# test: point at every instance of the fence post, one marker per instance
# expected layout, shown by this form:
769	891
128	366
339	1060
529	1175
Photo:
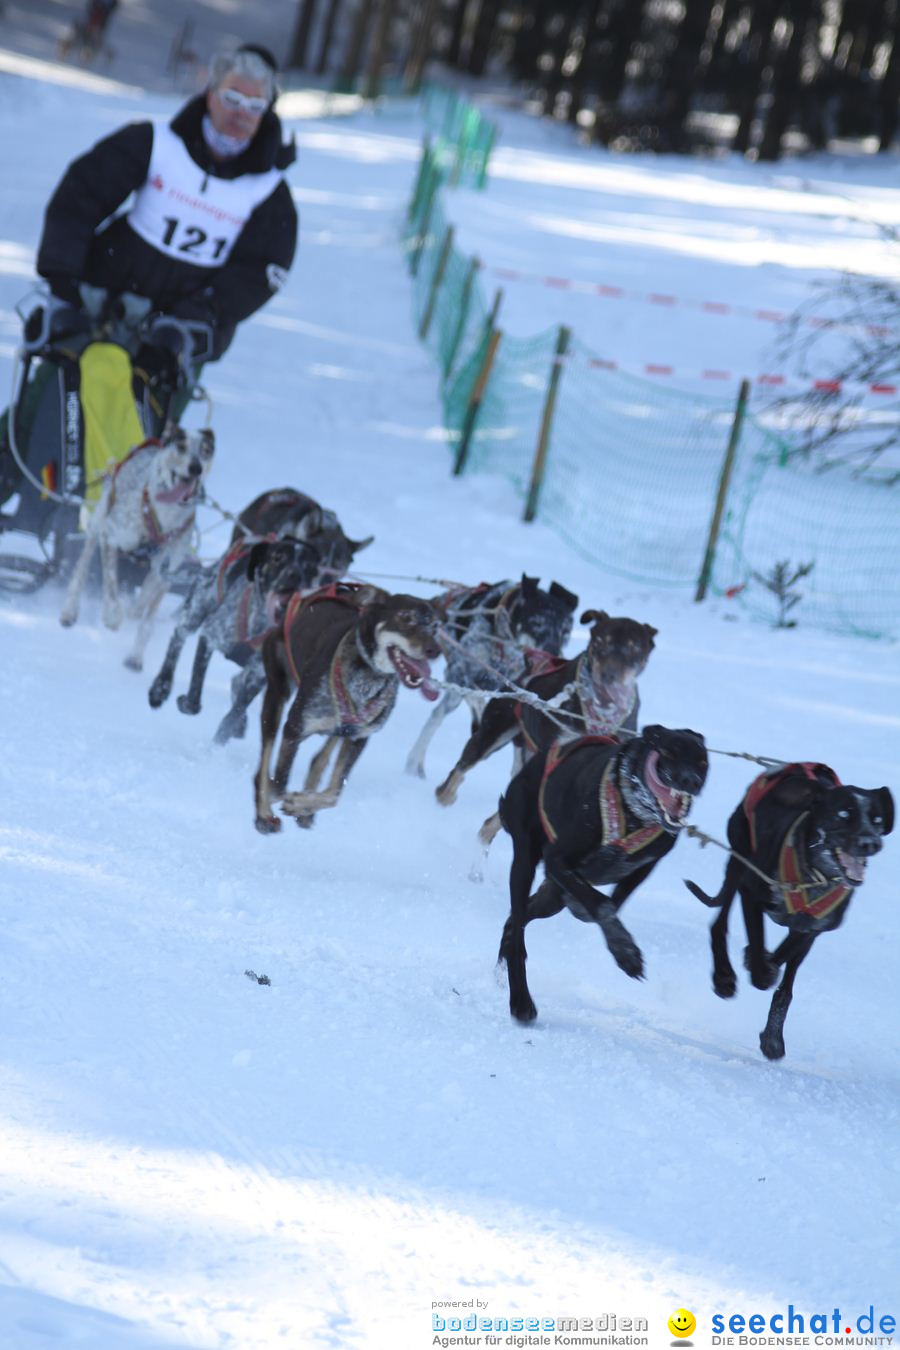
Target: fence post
420	177
465	301
436	282
422	232
722	494
491	341
490	135
543	445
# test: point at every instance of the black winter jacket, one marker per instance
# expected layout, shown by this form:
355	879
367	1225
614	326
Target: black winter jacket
98	184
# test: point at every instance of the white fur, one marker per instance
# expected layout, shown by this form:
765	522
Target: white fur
119	524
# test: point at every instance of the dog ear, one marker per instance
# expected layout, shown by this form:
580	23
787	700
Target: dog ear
356	544
169	431
886	801
569	600
798	792
257	558
593	616
529	585
207	440
654	735
651	632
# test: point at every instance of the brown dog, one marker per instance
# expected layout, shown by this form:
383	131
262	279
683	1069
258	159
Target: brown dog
347	649
600	697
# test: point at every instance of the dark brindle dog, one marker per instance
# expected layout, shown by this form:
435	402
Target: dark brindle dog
285	511
595	812
811	838
601	697
485	635
346	649
230	606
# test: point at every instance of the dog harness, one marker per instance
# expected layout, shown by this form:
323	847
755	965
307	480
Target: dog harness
149	519
351	714
612	809
599	719
799	894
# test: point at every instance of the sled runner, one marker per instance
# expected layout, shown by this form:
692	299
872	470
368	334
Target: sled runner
88	385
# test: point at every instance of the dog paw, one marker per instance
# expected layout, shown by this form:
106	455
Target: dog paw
185	704
725	984
305	822
522	1009
771	1044
415	769
112	618
68	617
444	795
159	691
133	662
763	974
268	824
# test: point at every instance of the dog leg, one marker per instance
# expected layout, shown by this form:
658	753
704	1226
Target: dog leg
194	611
526	855
152	597
547	901
307	803
486	836
771	1038
581	899
724	978
244	688
415	761
277	690
190	702
69	612
495	731
756	959
317	767
112	605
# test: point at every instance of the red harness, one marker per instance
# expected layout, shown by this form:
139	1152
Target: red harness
612	808
799	895
149	519
350	714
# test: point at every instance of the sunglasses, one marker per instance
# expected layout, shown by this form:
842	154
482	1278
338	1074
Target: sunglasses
233	98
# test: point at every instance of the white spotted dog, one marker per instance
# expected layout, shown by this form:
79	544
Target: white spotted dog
149	502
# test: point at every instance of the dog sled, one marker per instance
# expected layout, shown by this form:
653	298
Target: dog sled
88	385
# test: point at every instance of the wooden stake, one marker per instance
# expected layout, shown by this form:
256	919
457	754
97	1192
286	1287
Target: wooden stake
543	445
722	494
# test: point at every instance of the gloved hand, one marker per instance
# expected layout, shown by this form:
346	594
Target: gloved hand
159	364
65	288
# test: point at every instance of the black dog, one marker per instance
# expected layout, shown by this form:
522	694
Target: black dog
485	636
810	837
346	649
230	606
599	689
595	812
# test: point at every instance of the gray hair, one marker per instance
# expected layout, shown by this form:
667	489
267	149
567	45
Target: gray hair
248	65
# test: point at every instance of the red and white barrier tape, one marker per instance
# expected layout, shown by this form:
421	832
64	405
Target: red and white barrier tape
659	369
662	300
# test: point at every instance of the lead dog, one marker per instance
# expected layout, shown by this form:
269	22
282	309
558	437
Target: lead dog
148	501
485	635
811	838
346	649
599	690
230	607
593	812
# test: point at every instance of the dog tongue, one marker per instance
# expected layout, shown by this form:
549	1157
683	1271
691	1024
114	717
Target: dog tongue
854	868
179	493
421	667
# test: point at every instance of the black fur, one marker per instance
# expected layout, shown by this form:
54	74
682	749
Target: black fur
556	817
834	828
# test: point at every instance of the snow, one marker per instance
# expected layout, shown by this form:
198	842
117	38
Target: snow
192	1159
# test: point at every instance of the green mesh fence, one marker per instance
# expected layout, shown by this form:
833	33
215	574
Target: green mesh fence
632	468
464	138
784	510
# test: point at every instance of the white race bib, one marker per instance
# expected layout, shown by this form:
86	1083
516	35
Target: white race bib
189	214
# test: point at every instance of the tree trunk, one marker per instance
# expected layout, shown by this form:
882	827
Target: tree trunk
890	91
596	22
626	25
482	37
681	76
327	35
300	39
785	82
353	56
458	28
372	83
562	44
420	50
752	63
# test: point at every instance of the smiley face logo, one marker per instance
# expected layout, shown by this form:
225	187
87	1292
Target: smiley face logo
682	1323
